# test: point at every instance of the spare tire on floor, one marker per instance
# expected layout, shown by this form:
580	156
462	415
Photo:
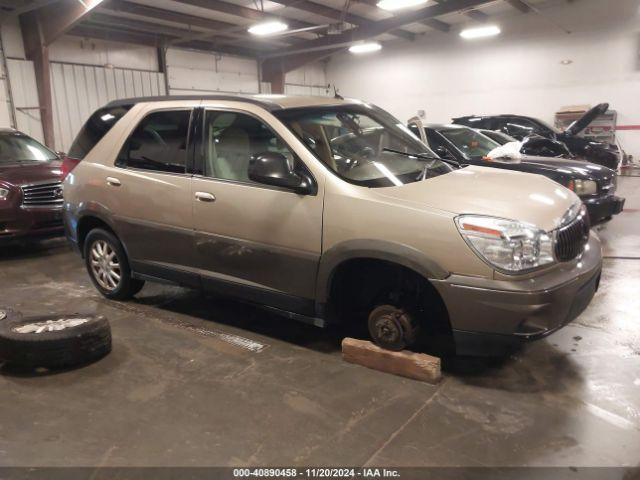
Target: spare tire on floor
9	314
53	342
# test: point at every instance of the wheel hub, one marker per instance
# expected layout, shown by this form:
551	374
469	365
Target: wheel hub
105	265
388	329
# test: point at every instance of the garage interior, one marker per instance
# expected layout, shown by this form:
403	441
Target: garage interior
199	380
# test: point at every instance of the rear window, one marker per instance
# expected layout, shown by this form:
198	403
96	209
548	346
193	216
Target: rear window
96	127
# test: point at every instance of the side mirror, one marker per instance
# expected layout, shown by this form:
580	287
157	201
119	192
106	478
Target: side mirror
271	168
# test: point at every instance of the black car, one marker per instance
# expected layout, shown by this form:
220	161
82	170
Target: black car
533	145
520	127
594	184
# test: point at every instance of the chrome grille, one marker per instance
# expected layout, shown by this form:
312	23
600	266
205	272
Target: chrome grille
42	195
572	238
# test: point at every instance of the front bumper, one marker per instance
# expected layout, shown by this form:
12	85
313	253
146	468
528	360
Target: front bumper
488	314
18	223
603	208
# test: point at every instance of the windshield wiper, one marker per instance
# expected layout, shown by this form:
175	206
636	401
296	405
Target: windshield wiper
422	156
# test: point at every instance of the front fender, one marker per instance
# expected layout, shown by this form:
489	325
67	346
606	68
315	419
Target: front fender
400	254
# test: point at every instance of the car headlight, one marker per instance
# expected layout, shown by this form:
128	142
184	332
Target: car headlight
507	245
4	193
583	187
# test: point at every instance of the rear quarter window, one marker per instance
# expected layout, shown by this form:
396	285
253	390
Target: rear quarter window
95	128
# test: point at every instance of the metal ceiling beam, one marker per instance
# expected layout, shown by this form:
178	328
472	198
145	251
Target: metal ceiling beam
179	35
20	7
57	19
334	14
381	26
471	13
437	25
215	28
520	5
243	12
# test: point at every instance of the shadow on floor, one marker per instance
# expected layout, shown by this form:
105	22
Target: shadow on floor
528	370
33	249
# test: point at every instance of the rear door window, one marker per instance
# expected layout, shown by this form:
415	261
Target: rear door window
158	143
96	127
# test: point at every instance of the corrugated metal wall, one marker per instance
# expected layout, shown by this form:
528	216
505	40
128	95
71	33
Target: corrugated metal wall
78	90
25	97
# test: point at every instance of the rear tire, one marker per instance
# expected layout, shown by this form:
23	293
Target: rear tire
108	266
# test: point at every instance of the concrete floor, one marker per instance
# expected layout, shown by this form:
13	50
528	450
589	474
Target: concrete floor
196	381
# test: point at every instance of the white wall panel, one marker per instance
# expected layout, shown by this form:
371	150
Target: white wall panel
12	38
201	73
79	90
78	50
308	80
25	97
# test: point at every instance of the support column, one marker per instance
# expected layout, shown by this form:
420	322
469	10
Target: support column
38	52
273	73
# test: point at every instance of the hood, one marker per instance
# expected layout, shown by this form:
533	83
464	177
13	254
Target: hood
573	168
579	125
30	172
490	191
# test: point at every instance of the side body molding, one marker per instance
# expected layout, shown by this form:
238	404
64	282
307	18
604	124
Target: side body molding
400	254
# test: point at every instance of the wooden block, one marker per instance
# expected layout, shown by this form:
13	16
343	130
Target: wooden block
418	366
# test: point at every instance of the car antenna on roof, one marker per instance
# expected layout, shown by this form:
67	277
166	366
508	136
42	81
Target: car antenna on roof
336	94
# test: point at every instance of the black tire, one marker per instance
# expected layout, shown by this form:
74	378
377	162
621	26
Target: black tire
393	328
127	286
29	343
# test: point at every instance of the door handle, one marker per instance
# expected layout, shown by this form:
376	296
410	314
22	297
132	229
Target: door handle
205	197
114	182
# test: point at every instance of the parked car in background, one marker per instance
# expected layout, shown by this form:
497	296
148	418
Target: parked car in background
520	127
30	188
533	145
325	210
594	184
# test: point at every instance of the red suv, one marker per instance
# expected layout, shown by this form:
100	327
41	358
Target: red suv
30	188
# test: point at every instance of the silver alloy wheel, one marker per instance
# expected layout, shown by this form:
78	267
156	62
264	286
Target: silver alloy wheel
105	265
3	314
51	325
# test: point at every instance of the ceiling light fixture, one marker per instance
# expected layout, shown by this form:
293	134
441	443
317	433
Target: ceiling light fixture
399	4
566	62
480	32
268	28
365	47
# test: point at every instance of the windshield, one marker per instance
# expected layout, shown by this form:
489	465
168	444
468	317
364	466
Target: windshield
471	143
16	147
355	141
498	137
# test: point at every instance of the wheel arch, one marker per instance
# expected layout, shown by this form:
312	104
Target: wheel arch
89	220
389	252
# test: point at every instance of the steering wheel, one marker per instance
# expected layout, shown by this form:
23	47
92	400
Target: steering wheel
364	155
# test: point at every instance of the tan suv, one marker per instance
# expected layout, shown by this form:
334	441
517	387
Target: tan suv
325	210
